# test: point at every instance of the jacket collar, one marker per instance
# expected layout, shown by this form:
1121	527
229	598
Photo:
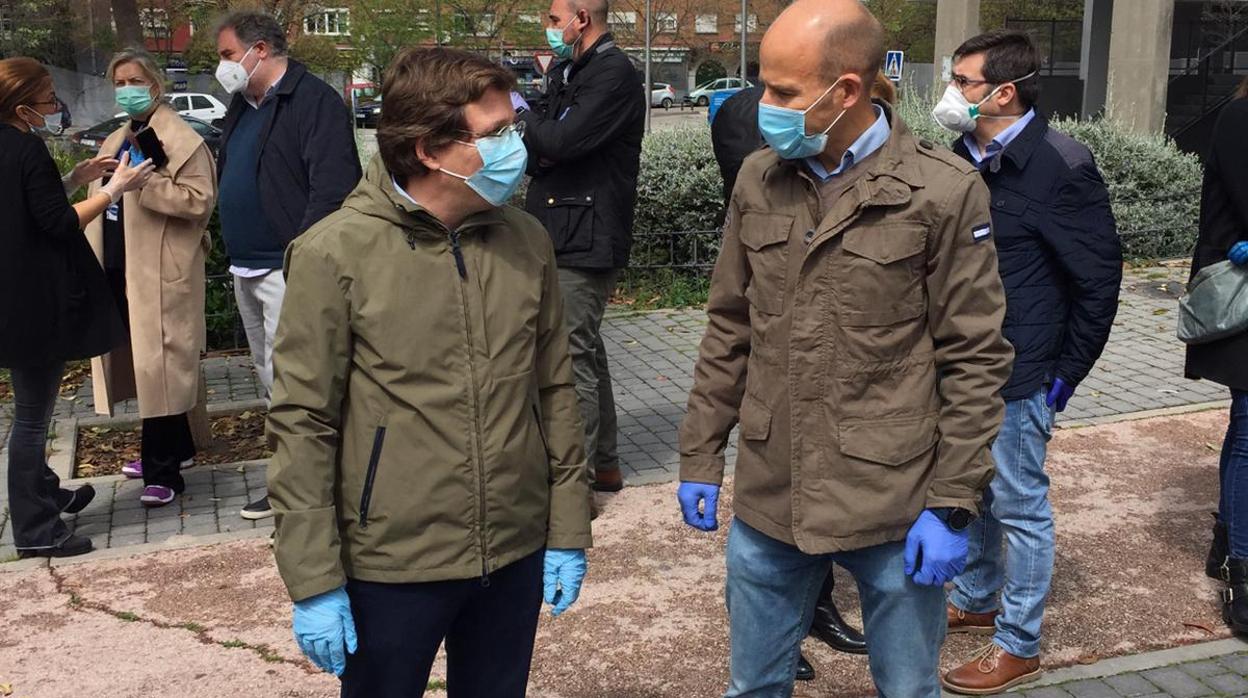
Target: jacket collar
1019	151
604	43
376	196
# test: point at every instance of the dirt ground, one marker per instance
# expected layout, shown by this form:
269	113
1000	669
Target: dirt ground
236	437
1132	504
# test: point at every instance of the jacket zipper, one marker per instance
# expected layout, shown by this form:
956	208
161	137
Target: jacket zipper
370	475
457	251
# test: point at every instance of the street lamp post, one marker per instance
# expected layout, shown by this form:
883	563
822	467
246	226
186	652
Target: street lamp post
745	35
647	58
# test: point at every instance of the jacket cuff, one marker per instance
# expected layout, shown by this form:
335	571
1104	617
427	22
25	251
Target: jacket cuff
702	468
569	541
307	550
969	501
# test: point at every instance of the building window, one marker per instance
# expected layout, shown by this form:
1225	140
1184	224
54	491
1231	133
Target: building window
485	25
665	23
622	20
529	19
753	23
330	22
707	24
155	22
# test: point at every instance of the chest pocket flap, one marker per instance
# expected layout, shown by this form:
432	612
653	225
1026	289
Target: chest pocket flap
766	237
886	244
1009	203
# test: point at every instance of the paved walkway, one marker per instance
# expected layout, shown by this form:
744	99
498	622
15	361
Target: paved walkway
1225	675
652	358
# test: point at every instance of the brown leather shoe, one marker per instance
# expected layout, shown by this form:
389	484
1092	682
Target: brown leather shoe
608	480
991	670
970	623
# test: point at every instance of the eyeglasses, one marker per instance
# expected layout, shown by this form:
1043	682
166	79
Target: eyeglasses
516	128
964	82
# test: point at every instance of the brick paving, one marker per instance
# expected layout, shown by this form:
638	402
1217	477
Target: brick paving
1221	676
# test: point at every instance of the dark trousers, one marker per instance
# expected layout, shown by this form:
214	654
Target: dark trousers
166	442
586	294
35	516
489	629
1233	475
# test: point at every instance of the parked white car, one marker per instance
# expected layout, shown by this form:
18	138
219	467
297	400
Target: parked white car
196	105
701	95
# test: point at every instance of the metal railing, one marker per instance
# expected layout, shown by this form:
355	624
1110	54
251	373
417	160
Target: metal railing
1198	78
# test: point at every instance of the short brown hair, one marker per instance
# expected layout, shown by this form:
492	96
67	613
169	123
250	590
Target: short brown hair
21	80
146	64
423	96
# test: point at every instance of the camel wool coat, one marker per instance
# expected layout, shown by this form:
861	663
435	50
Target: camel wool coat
166	238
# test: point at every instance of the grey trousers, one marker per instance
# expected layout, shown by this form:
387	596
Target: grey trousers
585	296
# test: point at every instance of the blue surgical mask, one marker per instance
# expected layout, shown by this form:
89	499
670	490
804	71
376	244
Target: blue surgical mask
505	160
554	37
785	129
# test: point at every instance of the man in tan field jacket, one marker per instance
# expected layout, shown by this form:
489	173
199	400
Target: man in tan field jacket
855	333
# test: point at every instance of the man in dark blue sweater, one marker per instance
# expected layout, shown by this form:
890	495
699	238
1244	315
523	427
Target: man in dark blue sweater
1061	264
287	160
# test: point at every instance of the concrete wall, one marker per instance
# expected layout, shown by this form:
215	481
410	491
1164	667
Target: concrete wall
956	21
1139	64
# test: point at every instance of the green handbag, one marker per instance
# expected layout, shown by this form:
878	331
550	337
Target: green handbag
1215	305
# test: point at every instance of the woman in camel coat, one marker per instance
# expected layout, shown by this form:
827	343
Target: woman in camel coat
153	246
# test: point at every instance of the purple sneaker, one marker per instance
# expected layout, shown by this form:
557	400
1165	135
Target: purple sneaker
157	496
134	469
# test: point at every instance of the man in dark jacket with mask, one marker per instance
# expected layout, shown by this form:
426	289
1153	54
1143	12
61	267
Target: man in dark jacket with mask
584	155
1061	263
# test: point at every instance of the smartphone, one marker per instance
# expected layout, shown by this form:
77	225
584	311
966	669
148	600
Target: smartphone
149	143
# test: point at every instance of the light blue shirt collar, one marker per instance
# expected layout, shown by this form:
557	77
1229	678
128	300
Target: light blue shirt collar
870	141
1001	142
402	192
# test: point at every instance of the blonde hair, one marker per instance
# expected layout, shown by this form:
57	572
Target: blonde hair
146	65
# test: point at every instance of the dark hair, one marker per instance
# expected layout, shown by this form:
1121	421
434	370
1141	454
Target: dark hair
21	81
425	92
1008	56
253	27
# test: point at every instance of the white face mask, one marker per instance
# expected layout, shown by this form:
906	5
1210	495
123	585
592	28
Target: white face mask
52	123
956	113
233	76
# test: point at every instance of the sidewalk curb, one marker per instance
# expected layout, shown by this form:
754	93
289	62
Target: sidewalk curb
178	542
1145	414
1134	663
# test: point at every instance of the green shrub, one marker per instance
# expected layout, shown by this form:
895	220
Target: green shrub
1154	187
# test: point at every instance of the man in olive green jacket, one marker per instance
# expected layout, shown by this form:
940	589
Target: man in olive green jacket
855	331
428	476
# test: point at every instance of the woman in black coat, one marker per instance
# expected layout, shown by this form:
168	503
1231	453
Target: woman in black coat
1224	235
55	305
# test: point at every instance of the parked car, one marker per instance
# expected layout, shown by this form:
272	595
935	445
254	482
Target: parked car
88	141
662	95
195	105
368	113
701	95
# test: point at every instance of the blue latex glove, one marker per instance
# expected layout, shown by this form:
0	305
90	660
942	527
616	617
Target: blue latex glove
1059	394
690	495
323	626
562	574
944	551
1238	254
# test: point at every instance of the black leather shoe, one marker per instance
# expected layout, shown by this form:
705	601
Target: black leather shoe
74	501
1235	595
1219	550
805	672
71	546
829	627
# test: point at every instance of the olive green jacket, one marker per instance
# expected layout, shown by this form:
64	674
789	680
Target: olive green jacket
424	419
861	349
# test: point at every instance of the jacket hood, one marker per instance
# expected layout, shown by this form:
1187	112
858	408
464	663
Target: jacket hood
377	196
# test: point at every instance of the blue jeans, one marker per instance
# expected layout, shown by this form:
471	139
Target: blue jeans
771	593
1016	504
1233	476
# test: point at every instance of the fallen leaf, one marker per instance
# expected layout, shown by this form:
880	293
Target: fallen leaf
1088	659
6	689
1168	391
240	469
1199	626
1213	447
247	415
1160	311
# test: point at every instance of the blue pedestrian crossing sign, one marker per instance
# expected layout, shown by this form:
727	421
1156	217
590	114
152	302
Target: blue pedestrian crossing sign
893	62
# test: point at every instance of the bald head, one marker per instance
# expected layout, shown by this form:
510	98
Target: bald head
596	9
833	37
